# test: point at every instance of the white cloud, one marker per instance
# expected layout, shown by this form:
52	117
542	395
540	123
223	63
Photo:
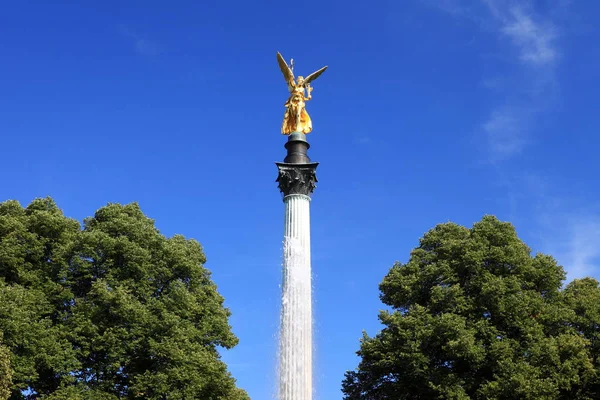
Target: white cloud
146	47
568	228
574	240
509	125
505	134
562	224
583	253
559	221
525	38
535	40
572	236
141	45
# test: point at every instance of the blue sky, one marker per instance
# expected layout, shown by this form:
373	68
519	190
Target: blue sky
430	111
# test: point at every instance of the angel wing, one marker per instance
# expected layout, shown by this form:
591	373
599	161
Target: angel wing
285	69
314	75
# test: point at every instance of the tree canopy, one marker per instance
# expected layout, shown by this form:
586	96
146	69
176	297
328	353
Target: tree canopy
110	310
474	315
5	372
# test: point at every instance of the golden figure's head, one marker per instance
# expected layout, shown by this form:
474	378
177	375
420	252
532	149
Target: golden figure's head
300	80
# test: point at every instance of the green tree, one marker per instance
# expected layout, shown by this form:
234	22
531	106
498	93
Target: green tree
583	299
113	310
5	373
475	316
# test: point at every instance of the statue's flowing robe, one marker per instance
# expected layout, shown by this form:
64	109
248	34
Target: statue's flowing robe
290	124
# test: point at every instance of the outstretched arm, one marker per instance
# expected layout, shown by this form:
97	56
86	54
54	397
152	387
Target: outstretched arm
309	90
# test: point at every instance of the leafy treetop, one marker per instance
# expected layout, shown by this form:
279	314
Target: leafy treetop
475	316
108	311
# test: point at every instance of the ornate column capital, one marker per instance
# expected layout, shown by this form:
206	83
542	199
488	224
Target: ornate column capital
297	178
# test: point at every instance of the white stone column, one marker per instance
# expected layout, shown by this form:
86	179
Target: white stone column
295	367
297	180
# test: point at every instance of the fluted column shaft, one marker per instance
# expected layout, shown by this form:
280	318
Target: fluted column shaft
297	180
296	314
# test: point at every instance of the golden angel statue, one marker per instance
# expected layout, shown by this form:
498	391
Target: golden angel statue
296	118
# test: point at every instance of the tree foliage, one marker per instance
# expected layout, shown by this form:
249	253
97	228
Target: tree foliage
5	373
475	316
110	310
